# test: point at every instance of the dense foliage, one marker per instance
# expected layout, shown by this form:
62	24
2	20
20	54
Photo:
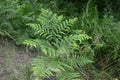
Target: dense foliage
76	39
59	42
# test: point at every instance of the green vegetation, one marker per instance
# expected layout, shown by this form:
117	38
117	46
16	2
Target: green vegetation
73	39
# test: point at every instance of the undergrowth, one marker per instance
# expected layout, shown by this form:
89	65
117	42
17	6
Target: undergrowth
71	44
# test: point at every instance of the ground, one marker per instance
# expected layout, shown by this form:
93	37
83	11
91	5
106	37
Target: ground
14	62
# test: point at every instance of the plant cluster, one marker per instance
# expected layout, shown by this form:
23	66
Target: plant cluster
75	42
60	44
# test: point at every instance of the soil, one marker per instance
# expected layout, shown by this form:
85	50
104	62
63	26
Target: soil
14	62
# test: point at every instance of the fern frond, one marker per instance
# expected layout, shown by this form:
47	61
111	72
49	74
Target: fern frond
45	66
39	68
30	43
51	25
68	76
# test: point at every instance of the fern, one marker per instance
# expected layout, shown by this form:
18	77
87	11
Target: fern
105	33
68	76
59	42
51	26
7	12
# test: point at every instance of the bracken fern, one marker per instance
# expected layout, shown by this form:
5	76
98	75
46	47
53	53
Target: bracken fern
59	42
